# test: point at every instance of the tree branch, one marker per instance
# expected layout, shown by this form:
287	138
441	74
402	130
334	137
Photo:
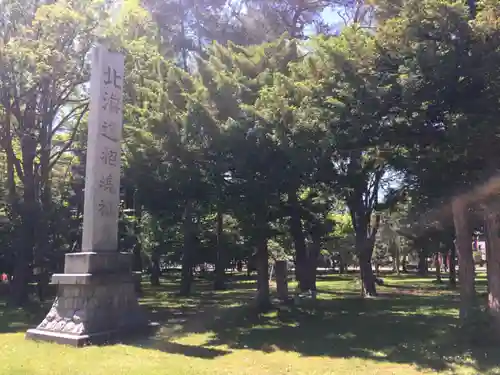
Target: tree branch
58	155
374	229
6	142
10	152
83	107
373	195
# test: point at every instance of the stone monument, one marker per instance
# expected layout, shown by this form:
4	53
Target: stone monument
96	301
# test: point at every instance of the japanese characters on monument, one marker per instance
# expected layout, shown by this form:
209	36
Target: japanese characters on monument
102	177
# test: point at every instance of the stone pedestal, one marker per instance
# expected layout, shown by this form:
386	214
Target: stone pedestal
96	300
95	303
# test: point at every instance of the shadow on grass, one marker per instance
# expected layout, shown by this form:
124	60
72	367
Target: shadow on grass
176	348
404	329
399	326
166	306
336	277
14	319
433	286
180	315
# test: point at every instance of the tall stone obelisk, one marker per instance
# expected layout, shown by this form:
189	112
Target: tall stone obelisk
96	300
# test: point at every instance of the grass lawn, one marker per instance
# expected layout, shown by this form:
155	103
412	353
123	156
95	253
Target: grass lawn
409	329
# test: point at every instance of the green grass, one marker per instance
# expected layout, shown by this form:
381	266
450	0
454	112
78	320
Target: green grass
409	329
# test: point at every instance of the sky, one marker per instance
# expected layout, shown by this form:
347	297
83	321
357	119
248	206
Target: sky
330	16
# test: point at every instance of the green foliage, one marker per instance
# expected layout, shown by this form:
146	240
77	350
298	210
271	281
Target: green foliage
230	144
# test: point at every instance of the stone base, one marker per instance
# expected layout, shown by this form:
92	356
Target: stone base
92	308
58	337
93	339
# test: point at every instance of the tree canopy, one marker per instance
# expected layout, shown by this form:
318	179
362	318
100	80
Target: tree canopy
254	131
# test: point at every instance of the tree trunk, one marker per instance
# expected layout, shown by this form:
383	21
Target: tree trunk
42	243
137	267
423	268
186	274
19	262
490	244
187	255
492	224
364	249
472	8
404	264
452	267
342	267
43	281
22	269
262	260
7	145
137	257
220	263
397	261
463	234
137	249
281	271
299	240
312	274
367	277
43	238
312	264
184	50
155	268
24	255
437	266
